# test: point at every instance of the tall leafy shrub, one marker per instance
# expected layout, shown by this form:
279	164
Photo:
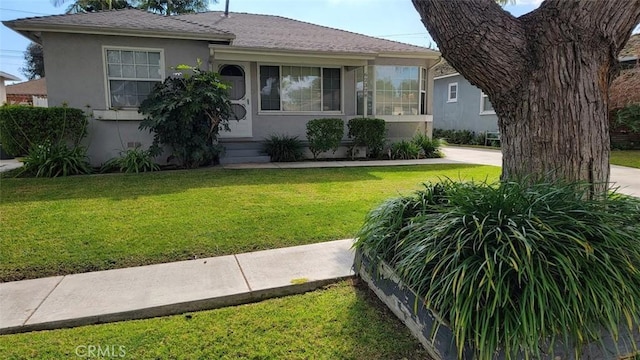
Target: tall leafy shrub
368	132
24	127
512	267
55	159
324	135
430	146
186	112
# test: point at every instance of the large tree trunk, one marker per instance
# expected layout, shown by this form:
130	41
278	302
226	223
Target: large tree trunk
547	75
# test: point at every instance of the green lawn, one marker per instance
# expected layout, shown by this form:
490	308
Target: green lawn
629	158
339	322
86	223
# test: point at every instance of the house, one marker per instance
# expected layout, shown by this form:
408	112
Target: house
283	73
32	92
3	92
458	105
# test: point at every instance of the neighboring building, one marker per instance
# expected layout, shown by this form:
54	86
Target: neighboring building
32	92
284	73
458	105
3	92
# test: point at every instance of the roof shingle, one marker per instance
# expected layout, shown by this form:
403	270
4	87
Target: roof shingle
33	87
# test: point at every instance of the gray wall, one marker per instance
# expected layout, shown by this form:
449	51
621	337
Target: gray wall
75	76
463	114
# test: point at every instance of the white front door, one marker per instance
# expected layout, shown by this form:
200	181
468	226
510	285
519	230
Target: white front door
237	75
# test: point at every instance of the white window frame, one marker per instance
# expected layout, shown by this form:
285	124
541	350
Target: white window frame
314	112
483	111
449	98
423	79
105	70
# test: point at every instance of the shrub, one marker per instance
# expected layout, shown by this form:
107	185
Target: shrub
404	150
324	135
23	127
283	148
53	160
430	146
132	161
368	132
186	113
628	118
513	267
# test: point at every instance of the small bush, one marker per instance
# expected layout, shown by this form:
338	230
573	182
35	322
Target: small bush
132	161
23	127
430	146
324	135
283	148
368	132
513	267
404	150
53	160
628	118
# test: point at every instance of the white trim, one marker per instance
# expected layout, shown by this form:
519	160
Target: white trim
482	110
405	118
124	114
446	76
449	98
127	48
283	112
294	57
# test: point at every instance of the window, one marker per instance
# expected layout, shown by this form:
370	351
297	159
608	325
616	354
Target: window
485	105
131	75
452	94
300	88
423	91
397	90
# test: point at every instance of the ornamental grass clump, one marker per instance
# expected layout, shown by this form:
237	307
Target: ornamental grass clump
514	268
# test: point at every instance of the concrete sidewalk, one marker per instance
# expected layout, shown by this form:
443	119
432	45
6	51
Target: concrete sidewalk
173	288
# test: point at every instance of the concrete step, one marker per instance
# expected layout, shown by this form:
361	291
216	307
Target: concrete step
244	159
243	153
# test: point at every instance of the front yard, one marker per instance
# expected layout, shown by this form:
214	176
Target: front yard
630	158
87	223
340	322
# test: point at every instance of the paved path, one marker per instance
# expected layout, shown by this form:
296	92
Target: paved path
172	288
6	165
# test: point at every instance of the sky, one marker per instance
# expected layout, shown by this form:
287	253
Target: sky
389	19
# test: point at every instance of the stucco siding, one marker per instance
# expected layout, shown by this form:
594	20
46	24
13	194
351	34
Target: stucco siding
463	114
76	77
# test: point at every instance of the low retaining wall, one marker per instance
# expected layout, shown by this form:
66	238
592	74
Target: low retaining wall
437	337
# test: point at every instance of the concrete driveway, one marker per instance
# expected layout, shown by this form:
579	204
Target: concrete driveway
626	179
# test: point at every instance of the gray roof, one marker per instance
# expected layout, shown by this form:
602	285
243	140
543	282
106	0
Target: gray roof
276	32
123	22
244	30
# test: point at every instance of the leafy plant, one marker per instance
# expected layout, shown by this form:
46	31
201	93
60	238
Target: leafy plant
53	160
324	135
23	127
404	150
283	148
132	161
512	267
628	117
187	112
368	132
430	146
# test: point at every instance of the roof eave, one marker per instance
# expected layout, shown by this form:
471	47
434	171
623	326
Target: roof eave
33	29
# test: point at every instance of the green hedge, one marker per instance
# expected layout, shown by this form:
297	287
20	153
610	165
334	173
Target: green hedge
324	135
22	127
369	132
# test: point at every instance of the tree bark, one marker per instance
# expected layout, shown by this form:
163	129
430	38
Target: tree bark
547	74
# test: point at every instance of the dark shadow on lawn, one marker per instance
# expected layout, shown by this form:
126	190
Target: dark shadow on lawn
131	186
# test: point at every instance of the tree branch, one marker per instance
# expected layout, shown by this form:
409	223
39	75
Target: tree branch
479	39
